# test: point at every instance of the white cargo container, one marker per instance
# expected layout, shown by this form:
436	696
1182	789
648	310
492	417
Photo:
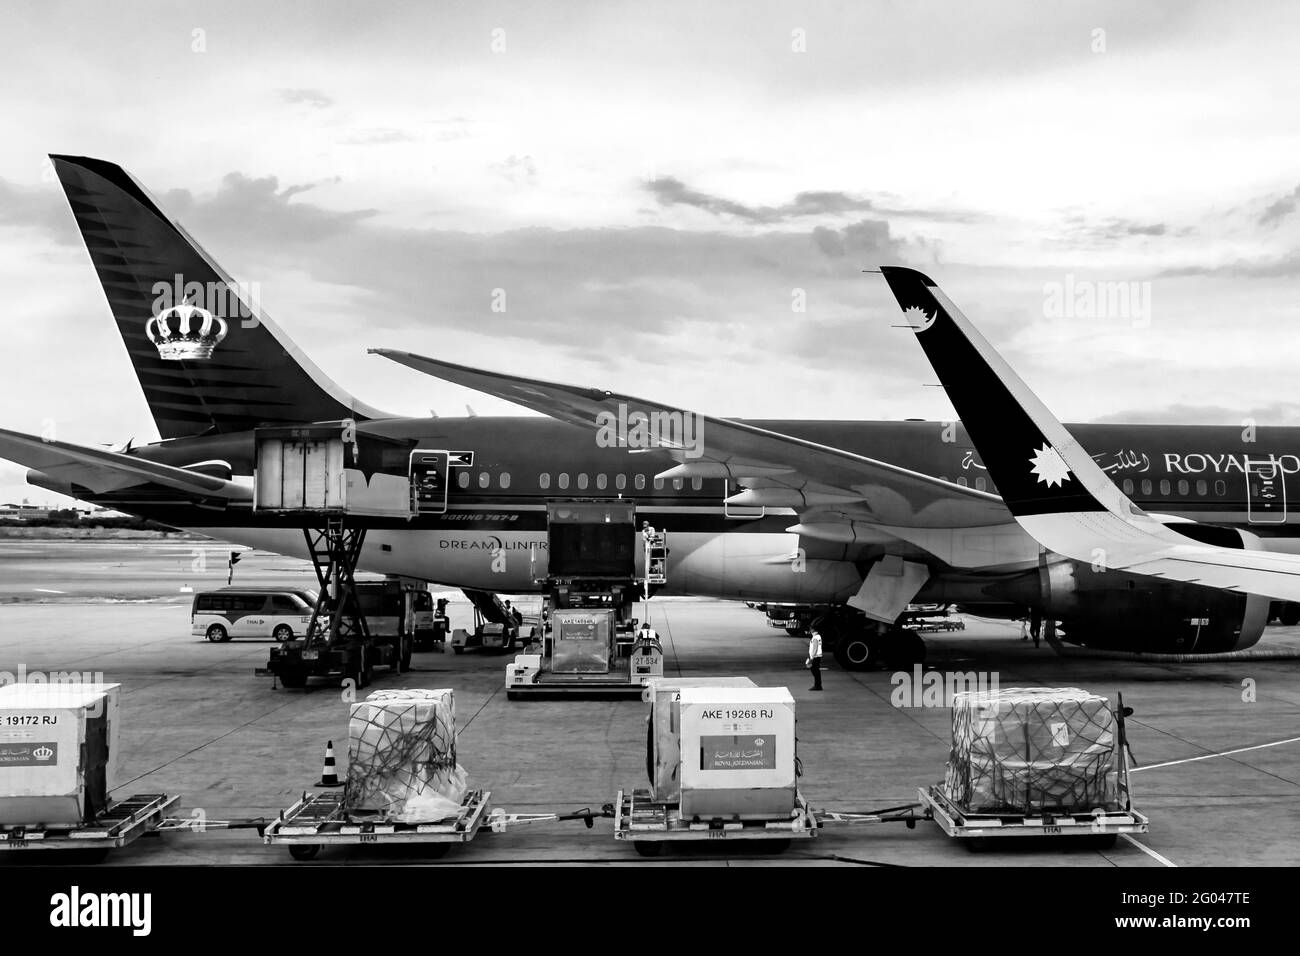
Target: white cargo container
306	468
664	757
738	752
582	642
58	752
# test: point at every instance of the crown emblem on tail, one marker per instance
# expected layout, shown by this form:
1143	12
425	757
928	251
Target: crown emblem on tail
43	753
185	331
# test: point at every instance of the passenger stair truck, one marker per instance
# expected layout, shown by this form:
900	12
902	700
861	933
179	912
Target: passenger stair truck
590	645
323	478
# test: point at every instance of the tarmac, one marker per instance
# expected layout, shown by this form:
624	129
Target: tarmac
1218	744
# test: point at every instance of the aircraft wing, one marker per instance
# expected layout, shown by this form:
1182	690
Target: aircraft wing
1056	492
775	470
102	471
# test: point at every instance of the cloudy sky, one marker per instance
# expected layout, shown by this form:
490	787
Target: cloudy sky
657	186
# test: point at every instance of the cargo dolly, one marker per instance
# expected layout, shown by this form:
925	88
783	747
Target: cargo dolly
319	819
124	822
649	825
1102	826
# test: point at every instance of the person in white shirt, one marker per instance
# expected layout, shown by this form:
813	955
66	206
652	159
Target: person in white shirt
815	658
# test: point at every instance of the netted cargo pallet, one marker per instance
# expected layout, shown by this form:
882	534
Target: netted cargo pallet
321	819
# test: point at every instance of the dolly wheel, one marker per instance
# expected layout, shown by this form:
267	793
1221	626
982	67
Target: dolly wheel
1105	841
457	649
435	851
648	848
302	852
775	846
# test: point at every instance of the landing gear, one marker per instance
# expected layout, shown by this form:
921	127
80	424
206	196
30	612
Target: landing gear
854	651
861	645
902	648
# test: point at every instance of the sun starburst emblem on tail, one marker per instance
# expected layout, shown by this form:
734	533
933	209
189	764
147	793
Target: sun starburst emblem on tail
917	318
1049	466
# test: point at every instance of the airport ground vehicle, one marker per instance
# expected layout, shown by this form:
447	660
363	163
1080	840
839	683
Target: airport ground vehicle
232	612
795	618
590	643
385	639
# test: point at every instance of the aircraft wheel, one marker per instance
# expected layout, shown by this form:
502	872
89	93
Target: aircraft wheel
903	648
854	651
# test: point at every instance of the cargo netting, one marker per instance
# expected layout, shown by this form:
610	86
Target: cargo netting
402	758
1033	750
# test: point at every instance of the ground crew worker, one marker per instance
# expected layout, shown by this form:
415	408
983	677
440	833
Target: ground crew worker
814	662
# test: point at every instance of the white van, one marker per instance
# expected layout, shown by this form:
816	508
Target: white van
278	614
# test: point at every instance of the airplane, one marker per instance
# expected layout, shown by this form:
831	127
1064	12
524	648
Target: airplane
860	518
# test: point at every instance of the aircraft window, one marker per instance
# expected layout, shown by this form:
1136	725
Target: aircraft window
505	480
639	481
962	481
563	480
462	479
697	483
1128	486
679	483
1183	486
620	482
659	484
1146	486
1164	486
544	479
582	481
601	481
979	484
1220	488
484	479
1202	487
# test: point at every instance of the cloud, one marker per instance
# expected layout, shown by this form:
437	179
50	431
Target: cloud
378	137
1275	413
1268	267
516	169
1280	209
257	208
35	206
313	98
669	191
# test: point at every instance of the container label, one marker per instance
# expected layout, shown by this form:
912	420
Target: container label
36	754
738	752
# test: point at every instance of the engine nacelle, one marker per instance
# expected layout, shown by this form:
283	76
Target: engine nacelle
1132	612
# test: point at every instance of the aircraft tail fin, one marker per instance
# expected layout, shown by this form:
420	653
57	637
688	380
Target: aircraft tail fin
1036	465
206	358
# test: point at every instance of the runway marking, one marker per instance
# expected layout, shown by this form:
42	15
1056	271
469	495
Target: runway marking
1165	861
1225	753
48	591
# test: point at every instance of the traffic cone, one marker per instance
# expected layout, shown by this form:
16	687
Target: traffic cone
329	777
